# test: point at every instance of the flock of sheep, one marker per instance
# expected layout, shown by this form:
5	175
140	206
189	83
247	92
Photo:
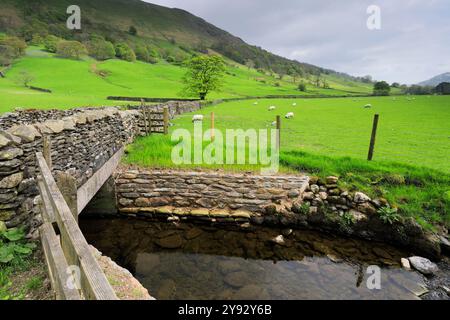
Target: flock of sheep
289	115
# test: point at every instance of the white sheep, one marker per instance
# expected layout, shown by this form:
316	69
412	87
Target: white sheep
368	106
256	103
289	115
294	104
274	124
271	108
197	117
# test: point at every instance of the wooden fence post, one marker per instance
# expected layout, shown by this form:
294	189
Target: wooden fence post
166	120
213	133
68	187
374	137
278	142
144	113
47	151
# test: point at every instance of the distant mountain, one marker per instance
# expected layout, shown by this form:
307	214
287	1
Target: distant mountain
163	27
445	77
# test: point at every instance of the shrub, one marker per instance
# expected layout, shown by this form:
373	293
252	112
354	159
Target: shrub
302	86
389	215
101	49
71	49
348	219
13	247
16	44
132	30
124	52
142	53
51	43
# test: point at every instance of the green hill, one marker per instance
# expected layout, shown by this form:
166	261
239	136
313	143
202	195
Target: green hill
160	26
171	33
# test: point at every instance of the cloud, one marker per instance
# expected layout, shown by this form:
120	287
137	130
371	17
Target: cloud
411	46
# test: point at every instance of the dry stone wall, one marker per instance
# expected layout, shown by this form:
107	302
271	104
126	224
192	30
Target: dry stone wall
82	140
206	194
278	201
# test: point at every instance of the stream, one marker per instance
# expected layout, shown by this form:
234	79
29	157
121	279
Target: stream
200	262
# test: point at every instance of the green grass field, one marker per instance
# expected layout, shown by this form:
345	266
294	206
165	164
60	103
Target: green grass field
410	131
76	83
331	137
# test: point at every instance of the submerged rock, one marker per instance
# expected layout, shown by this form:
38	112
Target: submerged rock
279	240
423	265
171	242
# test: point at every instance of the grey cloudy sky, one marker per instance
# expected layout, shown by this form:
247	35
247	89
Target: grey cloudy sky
412	45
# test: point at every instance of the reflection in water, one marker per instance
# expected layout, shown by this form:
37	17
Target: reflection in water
188	261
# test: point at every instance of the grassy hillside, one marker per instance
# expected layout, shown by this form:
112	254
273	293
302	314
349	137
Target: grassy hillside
161	27
88	82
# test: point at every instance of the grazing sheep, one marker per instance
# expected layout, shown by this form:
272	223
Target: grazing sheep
271	108
273	124
256	103
368	106
290	115
197	117
294	104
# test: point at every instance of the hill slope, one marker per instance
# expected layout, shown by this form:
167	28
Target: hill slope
445	77
156	24
88	82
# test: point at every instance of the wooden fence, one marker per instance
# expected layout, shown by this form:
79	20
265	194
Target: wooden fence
74	271
155	121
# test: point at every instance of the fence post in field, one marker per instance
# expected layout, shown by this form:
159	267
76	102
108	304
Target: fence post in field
166	120
374	137
47	151
68	187
278	142
213	134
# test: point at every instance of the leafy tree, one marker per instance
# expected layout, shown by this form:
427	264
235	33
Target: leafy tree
18	45
142	53
101	49
25	78
395	85
204	74
7	55
132	30
250	64
443	88
124	52
71	49
381	88
51	43
302	86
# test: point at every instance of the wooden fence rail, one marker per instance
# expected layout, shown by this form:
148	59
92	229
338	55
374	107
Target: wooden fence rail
70	249
155	121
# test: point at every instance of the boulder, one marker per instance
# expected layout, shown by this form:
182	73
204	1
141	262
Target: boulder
279	240
361	197
171	242
315	188
26	132
11	181
10	153
332	180
237	279
423	265
56	126
405	264
4	141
